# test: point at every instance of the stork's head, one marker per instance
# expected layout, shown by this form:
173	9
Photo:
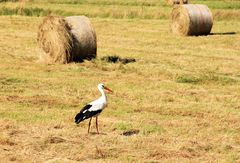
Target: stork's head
102	87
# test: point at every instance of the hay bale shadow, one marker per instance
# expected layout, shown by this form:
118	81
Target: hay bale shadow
224	33
117	59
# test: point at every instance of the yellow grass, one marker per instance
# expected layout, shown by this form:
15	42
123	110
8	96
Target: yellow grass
182	95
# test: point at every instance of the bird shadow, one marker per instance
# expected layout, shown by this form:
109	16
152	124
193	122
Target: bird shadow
223	33
95	133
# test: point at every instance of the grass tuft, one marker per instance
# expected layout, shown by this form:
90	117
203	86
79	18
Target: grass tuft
188	79
26	11
206	78
122	126
152	129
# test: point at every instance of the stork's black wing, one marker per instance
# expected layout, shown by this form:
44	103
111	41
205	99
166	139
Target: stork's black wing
85	113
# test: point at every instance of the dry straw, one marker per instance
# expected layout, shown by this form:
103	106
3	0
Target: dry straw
65	40
172	2
191	19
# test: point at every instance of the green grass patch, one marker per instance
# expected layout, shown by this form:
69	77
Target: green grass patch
107	2
122	126
220	4
9	81
188	79
23	116
206	78
35	11
9	1
152	129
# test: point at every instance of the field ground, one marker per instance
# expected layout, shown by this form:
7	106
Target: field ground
182	94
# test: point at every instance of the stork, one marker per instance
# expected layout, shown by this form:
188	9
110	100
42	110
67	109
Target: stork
94	108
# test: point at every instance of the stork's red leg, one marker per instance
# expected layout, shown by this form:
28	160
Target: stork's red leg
97	124
89	124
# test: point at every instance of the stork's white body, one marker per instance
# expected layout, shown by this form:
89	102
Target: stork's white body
100	103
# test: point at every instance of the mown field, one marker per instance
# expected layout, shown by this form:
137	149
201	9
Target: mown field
182	93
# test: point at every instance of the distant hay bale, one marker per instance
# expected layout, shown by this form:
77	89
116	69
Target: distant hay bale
65	40
191	19
172	2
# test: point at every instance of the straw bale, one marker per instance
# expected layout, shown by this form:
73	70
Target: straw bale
65	40
191	19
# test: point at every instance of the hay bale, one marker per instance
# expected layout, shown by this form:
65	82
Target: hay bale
173	2
65	40
191	20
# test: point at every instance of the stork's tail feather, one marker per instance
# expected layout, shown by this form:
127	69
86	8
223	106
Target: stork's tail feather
78	118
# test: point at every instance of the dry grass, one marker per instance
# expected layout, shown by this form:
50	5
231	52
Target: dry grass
181	94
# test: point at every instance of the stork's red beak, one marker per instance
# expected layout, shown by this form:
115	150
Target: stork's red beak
108	89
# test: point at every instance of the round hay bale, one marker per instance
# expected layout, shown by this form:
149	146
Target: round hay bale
191	19
65	40
173	2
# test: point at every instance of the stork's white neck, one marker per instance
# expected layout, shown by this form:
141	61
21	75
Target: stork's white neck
104	96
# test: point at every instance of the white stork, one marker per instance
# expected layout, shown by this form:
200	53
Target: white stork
94	108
